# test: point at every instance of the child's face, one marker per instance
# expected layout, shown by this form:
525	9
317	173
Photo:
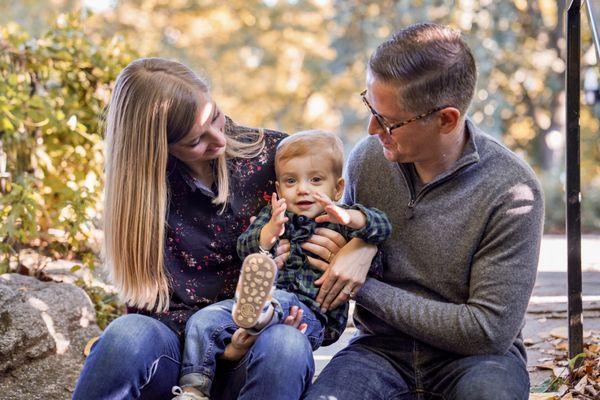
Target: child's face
298	178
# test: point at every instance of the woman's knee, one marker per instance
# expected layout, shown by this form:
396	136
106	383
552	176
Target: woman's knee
129	334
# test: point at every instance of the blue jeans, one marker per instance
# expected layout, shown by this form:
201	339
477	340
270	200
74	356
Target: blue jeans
386	368
208	332
138	357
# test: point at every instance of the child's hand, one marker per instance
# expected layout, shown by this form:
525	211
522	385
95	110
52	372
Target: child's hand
276	225
335	213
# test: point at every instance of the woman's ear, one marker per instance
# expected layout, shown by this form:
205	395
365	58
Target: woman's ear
339	189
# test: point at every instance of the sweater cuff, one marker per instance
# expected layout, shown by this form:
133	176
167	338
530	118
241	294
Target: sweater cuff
368	290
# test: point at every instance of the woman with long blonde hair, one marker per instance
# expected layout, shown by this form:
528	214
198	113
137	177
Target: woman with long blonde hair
182	181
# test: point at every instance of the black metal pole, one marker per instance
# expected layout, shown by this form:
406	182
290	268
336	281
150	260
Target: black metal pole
573	179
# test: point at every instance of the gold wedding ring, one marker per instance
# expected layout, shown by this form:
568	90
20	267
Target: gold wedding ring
329	257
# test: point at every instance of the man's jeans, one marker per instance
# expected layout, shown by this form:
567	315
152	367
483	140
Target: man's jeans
208	331
140	357
385	368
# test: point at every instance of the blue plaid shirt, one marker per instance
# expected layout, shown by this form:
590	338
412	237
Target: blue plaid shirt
297	275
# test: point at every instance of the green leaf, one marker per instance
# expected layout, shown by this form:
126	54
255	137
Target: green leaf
573	360
75	268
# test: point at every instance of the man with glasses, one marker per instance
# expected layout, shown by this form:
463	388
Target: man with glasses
445	318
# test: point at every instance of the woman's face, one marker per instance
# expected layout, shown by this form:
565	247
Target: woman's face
206	140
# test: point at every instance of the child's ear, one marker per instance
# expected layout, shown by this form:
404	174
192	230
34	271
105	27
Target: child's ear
277	189
339	189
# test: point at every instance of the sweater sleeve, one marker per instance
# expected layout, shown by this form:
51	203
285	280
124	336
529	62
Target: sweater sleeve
502	275
377	229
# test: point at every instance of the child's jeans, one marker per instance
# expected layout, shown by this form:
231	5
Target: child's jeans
208	332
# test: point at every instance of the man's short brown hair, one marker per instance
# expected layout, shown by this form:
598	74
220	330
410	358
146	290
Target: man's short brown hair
430	64
312	142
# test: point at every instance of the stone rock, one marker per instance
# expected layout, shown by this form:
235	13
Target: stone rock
44	327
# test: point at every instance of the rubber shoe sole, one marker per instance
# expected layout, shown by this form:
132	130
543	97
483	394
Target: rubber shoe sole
254	289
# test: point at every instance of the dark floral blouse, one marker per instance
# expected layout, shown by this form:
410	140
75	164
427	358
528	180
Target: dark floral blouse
200	249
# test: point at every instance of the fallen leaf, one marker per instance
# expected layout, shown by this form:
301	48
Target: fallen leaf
560	371
546	365
544	396
545	360
564	346
591	390
560	332
562	390
581	385
88	345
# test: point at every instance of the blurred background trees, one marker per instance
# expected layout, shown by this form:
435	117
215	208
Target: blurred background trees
284	64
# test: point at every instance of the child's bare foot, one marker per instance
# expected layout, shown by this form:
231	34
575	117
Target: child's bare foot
241	341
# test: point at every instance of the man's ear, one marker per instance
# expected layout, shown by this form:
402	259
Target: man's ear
448	120
339	189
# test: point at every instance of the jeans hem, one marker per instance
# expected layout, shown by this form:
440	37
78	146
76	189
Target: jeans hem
154	367
197	380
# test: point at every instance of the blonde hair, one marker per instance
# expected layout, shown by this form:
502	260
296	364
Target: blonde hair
154	103
312	142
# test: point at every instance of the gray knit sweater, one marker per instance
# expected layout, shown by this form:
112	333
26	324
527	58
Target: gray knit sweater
461	263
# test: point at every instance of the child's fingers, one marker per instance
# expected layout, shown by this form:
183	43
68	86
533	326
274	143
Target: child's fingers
303	327
321	198
323	218
341	214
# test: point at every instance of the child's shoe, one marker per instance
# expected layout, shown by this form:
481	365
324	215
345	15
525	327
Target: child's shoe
188	393
252	307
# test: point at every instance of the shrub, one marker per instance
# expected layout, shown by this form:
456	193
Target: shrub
53	89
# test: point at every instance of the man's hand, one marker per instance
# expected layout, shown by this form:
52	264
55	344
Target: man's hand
325	243
282	253
346	274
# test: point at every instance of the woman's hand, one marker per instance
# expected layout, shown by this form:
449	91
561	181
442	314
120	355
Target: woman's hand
346	274
325	243
282	253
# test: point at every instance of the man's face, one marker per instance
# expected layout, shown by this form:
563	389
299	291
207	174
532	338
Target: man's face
299	177
409	143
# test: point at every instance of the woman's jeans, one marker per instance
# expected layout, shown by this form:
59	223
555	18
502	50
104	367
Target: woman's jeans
209	330
140	357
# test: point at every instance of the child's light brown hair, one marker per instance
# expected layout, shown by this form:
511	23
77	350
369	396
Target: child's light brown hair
312	142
